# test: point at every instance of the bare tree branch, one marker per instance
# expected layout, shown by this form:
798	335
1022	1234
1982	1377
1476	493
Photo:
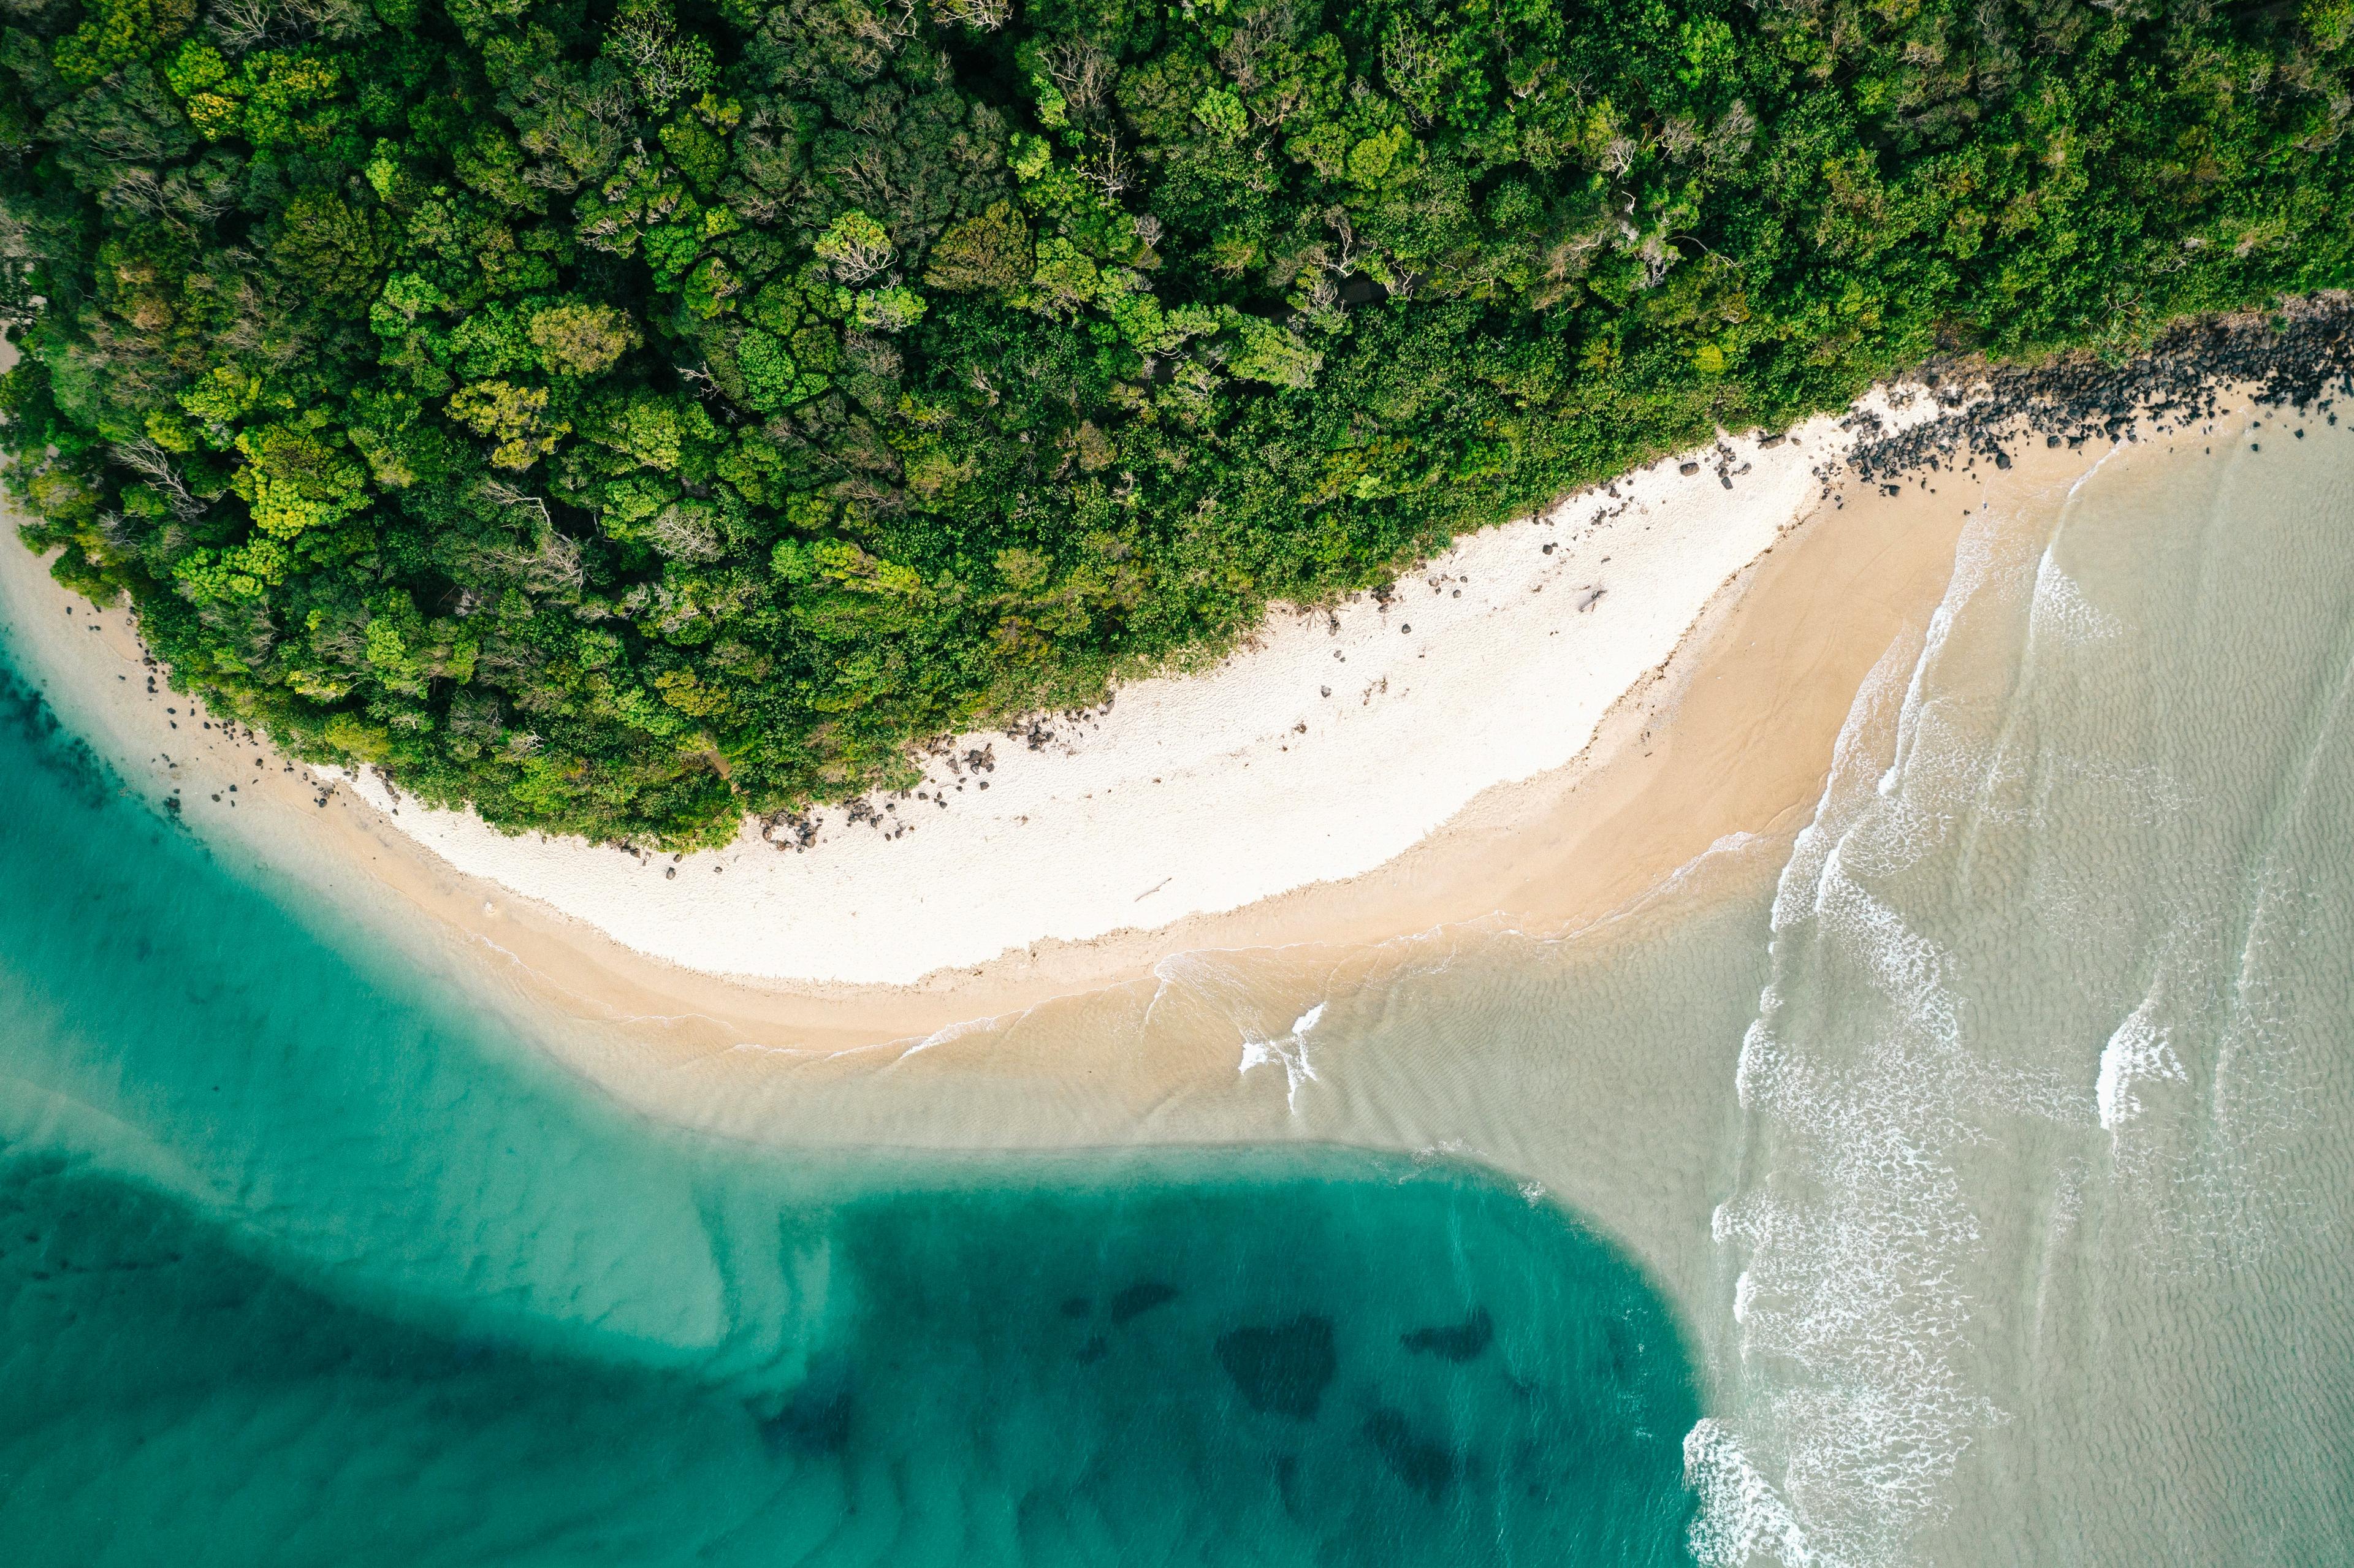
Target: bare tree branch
151	462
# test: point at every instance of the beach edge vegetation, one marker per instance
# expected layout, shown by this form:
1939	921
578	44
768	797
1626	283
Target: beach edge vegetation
617	418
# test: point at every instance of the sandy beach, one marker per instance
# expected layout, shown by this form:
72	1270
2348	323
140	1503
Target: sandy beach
1333	743
1532	762
1299	1015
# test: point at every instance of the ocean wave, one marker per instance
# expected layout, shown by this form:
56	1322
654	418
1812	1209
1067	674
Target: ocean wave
2057	944
1288	1051
1852	1233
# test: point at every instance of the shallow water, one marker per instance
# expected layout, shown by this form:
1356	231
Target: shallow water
1965	1183
304	1259
2041	1217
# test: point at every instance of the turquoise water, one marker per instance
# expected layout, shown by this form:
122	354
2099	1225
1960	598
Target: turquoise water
304	1260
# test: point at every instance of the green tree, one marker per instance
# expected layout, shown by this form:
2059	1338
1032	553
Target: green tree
620	418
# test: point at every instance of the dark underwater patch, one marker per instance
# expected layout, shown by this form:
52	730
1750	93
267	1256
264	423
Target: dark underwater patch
27	713
156	1355
1425	1466
815	1419
1140	1298
1463	1341
1285	1369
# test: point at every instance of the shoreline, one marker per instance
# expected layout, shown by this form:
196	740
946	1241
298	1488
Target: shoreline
1724	741
1315	1017
1194	810
1763	676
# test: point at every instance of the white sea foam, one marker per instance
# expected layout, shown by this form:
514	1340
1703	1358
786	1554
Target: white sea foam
1853	760
948	1033
2071	830
2137	1053
2061	607
1208	980
1976	560
1755	1043
1852	1233
1288	1051
2263	1072
1232	989
1741	1518
1290	1054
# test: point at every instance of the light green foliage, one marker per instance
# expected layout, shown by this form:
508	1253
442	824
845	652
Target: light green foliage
2330	21
888	310
578	338
644	41
1265	351
296	478
275	99
196	68
623	417
1065	278
222	398
1222	114
514	417
1029	156
855	246
117	32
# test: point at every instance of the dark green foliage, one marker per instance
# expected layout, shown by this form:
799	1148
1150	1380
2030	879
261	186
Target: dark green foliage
620	419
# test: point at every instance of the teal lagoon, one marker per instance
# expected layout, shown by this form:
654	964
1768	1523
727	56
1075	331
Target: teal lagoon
307	1257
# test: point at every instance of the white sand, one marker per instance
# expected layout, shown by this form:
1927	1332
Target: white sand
1330	746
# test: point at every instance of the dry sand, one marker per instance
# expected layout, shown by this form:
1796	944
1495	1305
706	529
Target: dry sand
1332	745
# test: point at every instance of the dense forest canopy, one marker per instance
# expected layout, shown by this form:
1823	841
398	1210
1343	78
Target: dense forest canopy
623	417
